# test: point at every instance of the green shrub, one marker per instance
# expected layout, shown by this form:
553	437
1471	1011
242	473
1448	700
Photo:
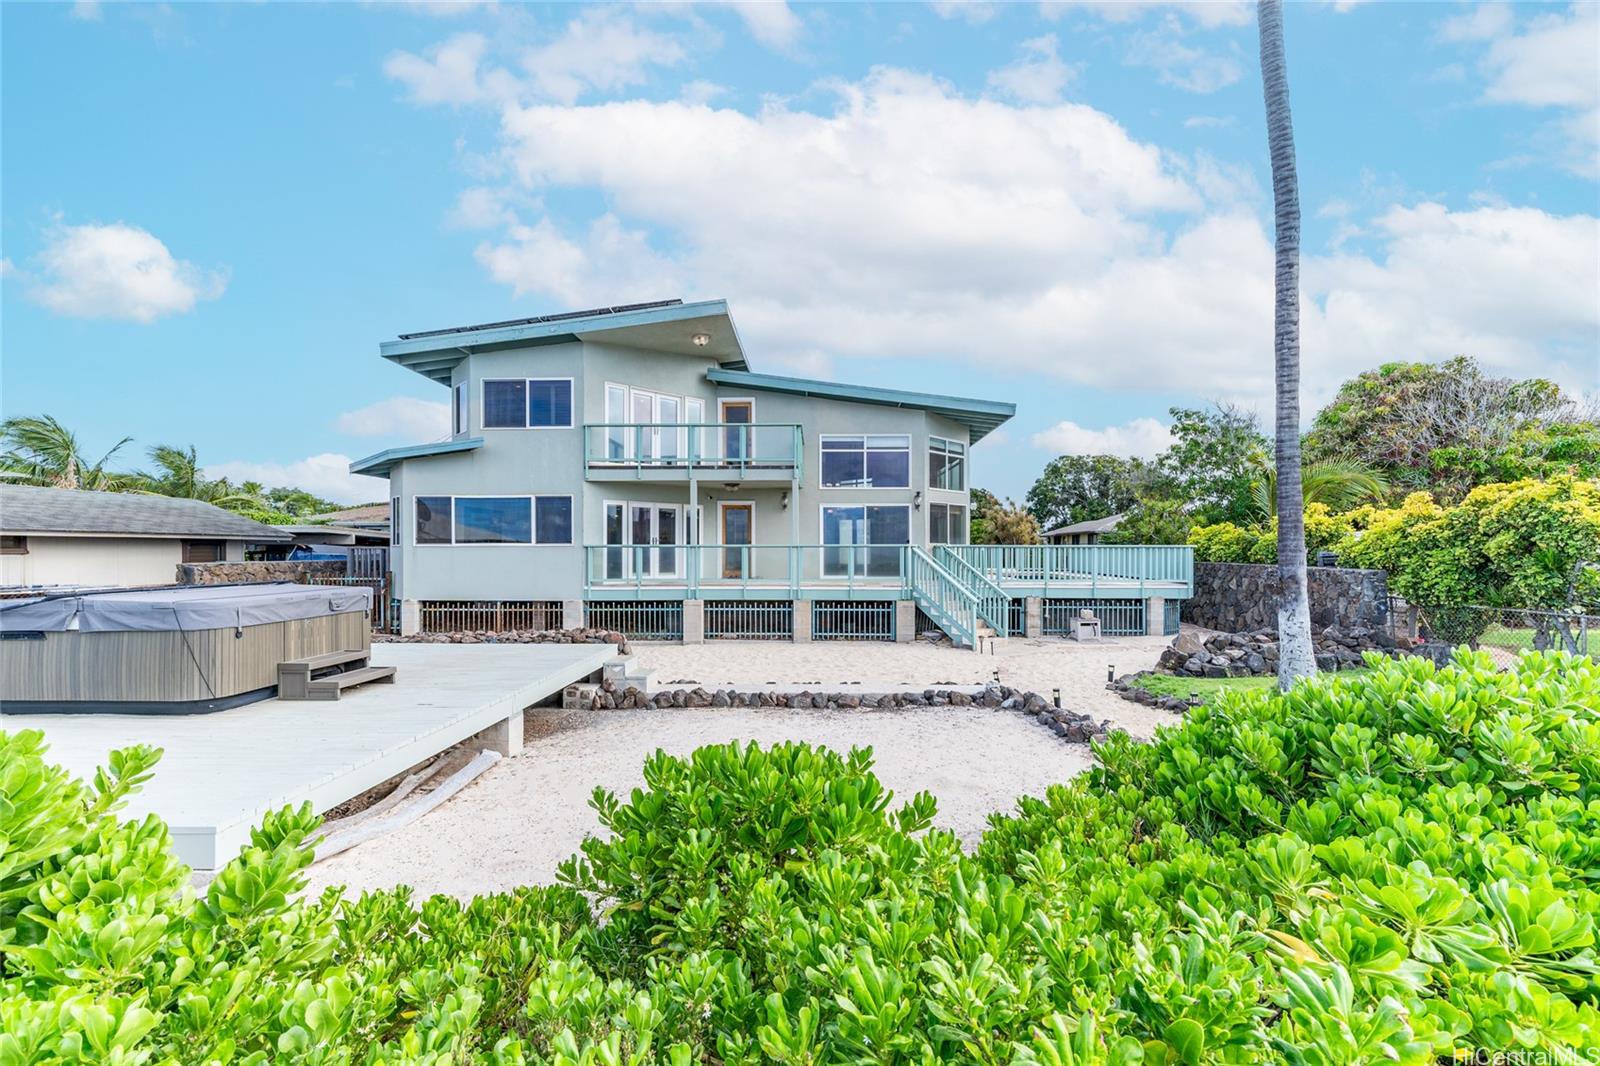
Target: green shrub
1388	867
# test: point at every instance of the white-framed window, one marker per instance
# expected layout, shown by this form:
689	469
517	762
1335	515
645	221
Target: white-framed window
865	461
458	411
394	522
947	523
947	464
527	403
618	442
847	529
493	519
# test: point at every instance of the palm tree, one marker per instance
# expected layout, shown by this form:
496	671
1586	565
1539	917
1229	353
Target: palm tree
181	475
1296	656
1340	484
41	451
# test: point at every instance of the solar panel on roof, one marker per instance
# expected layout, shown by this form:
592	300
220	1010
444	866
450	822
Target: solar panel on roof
563	316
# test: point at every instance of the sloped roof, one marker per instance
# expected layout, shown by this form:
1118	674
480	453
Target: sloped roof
664	326
380	463
34	509
1094	525
980	416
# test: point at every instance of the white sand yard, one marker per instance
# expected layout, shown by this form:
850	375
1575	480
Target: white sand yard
517	822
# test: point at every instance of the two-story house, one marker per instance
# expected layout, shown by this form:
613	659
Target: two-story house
625	467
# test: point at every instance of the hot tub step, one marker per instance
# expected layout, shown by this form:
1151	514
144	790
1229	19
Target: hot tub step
330	687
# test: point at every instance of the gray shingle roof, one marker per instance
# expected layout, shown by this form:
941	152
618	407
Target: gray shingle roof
31	509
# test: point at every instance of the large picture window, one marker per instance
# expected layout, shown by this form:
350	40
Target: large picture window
947	523
494	519
947	464
845	531
527	403
871	461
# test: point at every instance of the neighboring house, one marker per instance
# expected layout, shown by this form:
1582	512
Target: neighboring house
321	541
620	464
70	537
1088	532
373	516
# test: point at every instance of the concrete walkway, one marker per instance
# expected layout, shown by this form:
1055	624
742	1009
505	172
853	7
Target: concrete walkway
221	772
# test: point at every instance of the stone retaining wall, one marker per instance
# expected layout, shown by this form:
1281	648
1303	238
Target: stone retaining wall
1243	597
280	570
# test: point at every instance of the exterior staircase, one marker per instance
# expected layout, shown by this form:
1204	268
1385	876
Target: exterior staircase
969	607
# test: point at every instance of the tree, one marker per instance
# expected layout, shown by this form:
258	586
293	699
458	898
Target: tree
44	452
1081	488
983	503
1338	484
1007	523
1448	426
1211	463
179	474
1153	521
1296	656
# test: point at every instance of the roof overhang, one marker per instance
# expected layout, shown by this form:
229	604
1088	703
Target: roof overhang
670	329
981	417
380	464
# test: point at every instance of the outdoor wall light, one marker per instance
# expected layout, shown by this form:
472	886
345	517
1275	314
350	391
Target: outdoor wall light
916	500
701	339
785	499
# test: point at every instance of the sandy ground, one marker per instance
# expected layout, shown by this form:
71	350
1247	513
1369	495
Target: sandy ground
518	821
1078	670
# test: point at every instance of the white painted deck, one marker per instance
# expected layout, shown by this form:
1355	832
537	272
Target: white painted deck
221	772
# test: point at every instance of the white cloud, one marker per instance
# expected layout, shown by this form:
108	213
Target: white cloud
700	91
8	269
1209	14
599	50
327	475
118	271
1180	64
398	416
972	12
772	22
1143	438
85	11
1038	76
450	73
1551	61
1209	122
480	207
910	221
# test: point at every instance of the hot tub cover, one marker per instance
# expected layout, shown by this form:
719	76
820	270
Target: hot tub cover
184	608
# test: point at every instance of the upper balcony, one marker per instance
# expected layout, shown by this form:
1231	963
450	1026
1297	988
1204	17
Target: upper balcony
677	451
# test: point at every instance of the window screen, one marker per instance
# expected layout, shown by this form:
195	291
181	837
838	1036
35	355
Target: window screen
505	404
550	403
433	519
552	518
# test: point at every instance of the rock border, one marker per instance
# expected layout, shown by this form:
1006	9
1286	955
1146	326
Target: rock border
1070	726
513	636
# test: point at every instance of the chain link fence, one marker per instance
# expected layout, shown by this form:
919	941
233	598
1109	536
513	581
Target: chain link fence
1503	632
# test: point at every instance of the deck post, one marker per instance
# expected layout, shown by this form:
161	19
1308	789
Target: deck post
571	614
694	621
1033	617
1155	616
905	621
410	617
505	736
801	625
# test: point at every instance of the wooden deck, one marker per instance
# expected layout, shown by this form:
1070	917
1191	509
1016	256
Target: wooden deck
222	770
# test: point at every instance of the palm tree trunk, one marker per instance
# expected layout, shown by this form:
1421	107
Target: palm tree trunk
1296	657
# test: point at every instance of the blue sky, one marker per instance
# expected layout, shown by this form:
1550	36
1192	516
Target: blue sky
212	214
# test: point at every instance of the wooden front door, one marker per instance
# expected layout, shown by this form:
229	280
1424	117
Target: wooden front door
738	520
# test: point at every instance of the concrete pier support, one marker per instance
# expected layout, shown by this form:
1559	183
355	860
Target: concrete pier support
694	621
572	614
802	621
410	617
905	621
1155	616
505	736
1033	617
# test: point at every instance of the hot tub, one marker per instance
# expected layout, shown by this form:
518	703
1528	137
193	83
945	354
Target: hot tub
188	649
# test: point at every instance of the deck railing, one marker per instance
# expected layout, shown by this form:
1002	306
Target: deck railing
720	449
942	596
994	604
763	570
1082	566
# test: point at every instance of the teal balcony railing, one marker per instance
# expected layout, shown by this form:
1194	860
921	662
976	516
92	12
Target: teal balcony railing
994	603
767	450
1082	568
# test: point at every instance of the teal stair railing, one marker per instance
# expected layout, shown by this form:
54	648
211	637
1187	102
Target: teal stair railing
943	598
994	606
